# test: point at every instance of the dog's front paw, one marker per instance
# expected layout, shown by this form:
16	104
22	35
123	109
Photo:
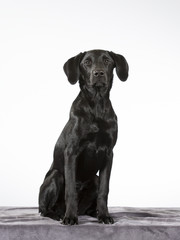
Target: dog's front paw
70	220
105	219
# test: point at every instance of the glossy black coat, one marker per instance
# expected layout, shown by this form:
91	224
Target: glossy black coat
85	146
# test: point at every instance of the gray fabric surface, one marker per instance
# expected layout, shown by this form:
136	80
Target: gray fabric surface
130	224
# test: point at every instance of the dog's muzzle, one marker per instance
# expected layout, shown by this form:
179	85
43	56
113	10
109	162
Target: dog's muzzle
98	78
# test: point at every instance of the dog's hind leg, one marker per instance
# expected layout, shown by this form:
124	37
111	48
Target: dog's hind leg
51	196
88	198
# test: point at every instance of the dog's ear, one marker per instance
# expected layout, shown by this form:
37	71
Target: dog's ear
71	68
121	65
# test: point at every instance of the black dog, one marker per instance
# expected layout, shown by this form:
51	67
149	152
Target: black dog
85	146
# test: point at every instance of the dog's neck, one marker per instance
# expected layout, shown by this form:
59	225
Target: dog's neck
97	99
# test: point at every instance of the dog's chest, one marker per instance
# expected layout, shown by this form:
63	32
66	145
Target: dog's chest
100	130
95	147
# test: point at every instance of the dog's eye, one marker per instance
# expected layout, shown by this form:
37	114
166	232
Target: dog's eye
106	60
87	62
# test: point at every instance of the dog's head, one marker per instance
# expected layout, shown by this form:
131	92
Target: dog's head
95	68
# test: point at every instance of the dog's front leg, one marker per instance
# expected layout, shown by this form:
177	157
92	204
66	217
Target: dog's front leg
70	187
104	176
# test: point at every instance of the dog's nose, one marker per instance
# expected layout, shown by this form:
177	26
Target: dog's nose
98	73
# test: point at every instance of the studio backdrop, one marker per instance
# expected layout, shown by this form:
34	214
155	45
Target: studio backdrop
36	38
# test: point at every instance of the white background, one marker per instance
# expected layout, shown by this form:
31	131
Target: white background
36	38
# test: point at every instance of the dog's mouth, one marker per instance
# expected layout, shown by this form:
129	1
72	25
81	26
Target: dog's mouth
99	84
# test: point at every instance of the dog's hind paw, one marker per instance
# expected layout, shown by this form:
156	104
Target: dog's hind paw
51	215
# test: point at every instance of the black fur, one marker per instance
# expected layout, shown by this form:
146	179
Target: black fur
85	146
